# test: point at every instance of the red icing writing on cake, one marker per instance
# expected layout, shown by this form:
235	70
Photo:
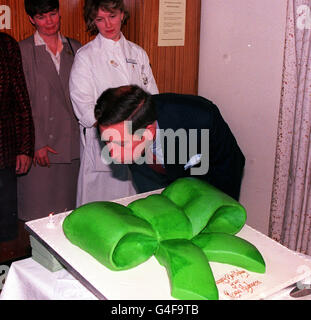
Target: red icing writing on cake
236	283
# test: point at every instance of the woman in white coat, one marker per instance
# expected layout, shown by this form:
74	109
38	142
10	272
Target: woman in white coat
107	61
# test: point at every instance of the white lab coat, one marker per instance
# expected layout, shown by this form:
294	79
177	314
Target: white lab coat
101	64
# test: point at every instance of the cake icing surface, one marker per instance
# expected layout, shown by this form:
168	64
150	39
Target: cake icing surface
189	224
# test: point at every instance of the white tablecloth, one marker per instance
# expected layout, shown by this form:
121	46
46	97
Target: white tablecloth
28	280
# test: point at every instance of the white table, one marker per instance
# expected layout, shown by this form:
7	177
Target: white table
28	280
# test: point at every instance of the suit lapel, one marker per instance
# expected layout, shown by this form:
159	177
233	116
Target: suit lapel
66	62
165	119
45	66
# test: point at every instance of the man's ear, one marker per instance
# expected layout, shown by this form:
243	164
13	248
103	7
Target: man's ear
32	21
152	128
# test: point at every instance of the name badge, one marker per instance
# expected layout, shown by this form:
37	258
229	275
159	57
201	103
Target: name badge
114	63
132	61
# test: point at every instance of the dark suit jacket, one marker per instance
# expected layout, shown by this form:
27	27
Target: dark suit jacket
226	161
16	124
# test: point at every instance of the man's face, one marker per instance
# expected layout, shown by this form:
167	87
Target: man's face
125	146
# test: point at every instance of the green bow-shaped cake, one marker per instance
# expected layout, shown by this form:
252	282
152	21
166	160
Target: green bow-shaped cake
186	226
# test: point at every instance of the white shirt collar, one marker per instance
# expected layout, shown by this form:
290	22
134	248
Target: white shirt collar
40	42
55	58
156	148
111	44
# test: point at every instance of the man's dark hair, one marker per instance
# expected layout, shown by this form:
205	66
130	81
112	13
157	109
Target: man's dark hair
34	7
91	9
126	103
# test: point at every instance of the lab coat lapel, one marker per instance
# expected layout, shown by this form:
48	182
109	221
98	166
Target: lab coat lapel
110	57
131	62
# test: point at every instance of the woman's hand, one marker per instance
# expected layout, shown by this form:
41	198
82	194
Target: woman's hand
23	163
41	156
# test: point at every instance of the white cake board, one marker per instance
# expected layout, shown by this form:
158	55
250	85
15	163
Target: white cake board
149	281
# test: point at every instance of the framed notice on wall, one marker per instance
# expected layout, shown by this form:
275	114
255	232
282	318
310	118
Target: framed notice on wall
172	23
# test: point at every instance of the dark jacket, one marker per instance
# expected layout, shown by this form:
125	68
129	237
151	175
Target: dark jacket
225	159
16	123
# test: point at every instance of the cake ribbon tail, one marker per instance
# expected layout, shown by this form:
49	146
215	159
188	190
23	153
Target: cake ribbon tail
190	274
226	248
